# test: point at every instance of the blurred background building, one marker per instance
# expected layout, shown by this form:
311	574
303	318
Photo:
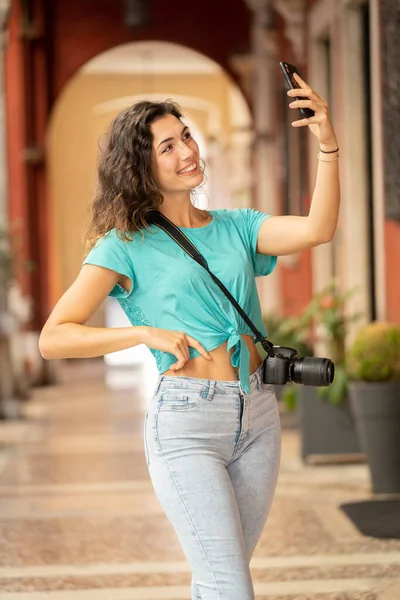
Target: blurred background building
70	66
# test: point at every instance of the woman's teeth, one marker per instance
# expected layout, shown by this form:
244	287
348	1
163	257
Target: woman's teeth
188	169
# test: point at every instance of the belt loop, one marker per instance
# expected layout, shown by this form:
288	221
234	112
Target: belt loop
159	380
211	388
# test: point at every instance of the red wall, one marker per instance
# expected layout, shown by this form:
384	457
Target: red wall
71	32
27	112
84	29
15	141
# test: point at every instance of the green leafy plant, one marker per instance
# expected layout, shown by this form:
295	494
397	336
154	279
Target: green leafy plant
325	319
285	331
6	258
375	353
329	320
11	261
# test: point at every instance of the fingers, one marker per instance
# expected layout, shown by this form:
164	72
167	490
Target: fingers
182	351
299	80
308	98
304	89
311	121
302	92
195	344
299	104
316	106
180	362
182	354
320	109
183	347
303	104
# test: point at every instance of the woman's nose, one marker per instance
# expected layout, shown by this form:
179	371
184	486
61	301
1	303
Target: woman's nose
185	151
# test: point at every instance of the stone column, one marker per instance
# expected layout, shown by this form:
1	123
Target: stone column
4	10
293	12
9	406
263	94
390	49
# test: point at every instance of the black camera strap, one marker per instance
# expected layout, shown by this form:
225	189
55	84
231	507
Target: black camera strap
186	245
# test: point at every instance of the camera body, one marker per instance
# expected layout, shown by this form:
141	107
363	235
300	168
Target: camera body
284	365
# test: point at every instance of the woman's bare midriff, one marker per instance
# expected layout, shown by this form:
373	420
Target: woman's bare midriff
219	367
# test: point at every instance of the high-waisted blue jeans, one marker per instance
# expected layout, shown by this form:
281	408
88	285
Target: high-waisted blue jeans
213	454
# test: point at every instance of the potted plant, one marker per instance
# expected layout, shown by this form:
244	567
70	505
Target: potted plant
6	324
326	424
15	311
373	365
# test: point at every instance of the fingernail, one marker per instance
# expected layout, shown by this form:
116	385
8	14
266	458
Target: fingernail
291	104
290	93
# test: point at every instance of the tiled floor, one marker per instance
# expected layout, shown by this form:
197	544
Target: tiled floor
79	520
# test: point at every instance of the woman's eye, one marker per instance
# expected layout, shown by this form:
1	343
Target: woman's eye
186	136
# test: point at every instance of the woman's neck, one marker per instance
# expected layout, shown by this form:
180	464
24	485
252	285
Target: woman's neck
183	214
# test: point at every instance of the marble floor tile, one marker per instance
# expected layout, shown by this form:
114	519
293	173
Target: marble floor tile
261	567
100	487
77	468
79	519
155	579
310	587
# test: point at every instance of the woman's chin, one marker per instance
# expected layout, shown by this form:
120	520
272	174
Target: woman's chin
197	180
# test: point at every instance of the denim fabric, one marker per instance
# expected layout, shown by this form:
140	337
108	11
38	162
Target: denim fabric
213	455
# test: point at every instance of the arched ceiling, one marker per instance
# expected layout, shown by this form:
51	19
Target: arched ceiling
150	57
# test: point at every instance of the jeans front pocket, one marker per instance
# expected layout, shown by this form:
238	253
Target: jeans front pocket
178	401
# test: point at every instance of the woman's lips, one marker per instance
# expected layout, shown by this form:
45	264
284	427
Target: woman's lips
193	172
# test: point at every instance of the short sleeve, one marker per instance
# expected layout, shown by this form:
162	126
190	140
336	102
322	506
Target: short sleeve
263	264
109	252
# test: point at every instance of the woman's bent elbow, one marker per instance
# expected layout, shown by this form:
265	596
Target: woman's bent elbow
46	346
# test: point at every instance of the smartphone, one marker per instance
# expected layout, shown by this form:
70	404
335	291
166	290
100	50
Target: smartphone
288	70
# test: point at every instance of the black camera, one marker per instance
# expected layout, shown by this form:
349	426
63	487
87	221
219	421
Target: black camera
284	364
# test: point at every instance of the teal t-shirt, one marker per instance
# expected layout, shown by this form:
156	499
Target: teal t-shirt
171	291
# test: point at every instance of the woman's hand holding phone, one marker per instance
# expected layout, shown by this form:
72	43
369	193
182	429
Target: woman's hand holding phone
320	123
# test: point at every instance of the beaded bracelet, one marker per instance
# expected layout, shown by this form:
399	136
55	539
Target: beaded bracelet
331	158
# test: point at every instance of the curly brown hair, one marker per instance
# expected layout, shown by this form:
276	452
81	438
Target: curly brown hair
127	193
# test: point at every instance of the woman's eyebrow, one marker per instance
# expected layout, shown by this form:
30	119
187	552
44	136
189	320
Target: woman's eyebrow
171	138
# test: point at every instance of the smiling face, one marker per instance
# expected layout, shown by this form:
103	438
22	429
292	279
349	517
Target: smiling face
175	162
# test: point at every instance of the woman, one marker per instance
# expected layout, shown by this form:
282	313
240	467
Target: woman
212	434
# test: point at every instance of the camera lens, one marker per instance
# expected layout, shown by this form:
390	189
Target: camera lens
309	370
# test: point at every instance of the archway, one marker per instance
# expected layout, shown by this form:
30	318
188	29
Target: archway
107	84
104	86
